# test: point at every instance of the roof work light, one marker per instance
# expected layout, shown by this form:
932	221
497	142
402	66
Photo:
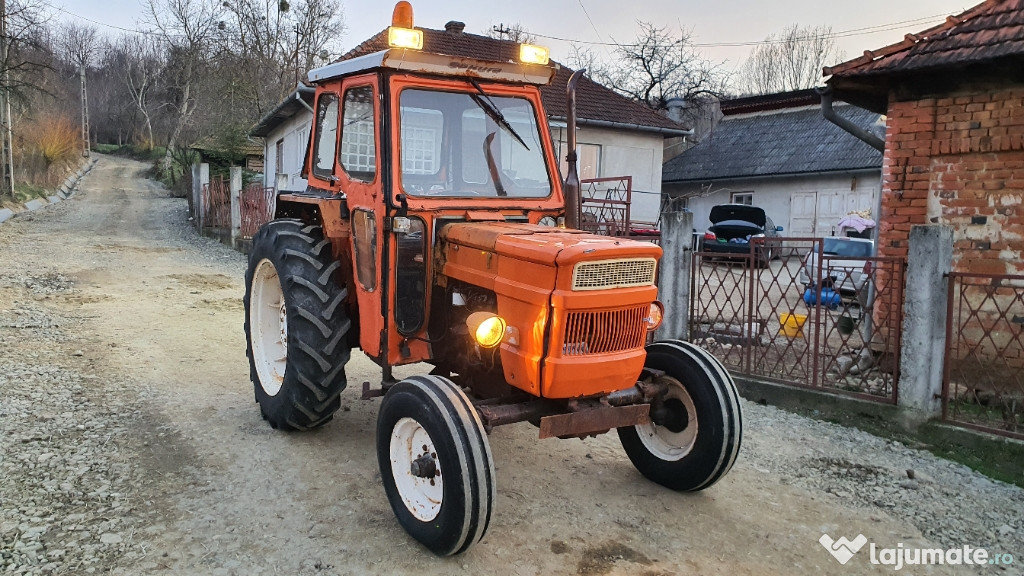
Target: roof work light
401	33
530	54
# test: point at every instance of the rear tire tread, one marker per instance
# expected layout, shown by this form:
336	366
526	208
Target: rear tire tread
314	375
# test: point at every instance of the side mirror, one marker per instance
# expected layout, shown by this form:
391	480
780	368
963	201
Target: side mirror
778	228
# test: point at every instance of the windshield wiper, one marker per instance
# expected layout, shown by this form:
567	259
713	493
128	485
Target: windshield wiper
487	105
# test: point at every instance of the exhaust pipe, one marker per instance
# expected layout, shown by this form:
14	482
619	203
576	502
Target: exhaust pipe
571	189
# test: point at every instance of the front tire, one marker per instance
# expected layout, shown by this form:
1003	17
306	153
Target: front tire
696	429
296	326
435	463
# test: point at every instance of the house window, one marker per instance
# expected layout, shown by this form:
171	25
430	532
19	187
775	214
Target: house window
746	198
301	148
588	160
358	153
279	157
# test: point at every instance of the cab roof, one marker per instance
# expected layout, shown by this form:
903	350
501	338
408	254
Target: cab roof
407	60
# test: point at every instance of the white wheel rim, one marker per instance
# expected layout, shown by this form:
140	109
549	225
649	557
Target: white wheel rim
268	326
664	443
422	496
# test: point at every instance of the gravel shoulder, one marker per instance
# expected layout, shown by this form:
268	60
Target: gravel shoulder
130	444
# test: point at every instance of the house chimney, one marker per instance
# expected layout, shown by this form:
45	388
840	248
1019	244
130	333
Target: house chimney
674	109
454	27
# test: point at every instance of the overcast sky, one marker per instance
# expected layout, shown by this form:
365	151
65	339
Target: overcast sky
711	21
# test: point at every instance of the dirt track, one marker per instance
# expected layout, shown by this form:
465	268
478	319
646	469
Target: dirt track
122	358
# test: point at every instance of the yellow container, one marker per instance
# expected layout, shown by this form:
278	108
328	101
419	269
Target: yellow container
792	324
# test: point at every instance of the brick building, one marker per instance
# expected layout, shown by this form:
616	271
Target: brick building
954	149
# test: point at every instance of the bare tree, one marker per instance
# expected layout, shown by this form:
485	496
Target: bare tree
188	28
28	54
659	66
272	42
142	59
790	60
76	44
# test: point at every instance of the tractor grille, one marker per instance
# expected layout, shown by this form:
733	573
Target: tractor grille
605	274
599	332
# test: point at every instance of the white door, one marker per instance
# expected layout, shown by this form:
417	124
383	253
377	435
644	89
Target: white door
831	209
860	200
802	208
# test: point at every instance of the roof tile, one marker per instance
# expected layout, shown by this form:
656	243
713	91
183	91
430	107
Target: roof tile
990	30
796	141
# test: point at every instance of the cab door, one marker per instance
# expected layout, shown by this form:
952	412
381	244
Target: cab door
358	174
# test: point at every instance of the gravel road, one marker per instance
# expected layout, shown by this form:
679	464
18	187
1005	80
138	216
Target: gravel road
130	444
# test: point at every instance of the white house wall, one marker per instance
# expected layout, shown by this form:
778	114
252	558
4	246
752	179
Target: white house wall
775	196
295	132
625	153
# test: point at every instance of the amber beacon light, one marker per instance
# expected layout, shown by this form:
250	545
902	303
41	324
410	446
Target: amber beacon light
401	33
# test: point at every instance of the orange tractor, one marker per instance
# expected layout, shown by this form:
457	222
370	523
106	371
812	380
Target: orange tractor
435	230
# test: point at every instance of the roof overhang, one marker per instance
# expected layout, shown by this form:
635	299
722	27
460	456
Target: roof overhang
836	172
428	63
298	100
666	132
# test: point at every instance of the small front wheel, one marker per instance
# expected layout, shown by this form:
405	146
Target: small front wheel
696	427
435	463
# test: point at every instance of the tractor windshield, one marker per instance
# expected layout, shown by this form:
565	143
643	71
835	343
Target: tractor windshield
469	145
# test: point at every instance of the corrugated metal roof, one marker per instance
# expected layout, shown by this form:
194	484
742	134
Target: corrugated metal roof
593	101
989	31
777	143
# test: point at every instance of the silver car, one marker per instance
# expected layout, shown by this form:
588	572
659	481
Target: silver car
847	269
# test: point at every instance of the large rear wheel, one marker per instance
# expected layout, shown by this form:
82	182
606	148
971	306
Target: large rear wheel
295	325
435	463
696	427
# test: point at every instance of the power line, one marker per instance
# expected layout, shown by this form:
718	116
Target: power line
90	20
841	34
587	14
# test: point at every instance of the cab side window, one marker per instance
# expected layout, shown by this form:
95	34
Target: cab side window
358	154
326	135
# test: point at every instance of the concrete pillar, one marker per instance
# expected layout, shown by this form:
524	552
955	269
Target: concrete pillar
674	275
204	180
929	259
280	182
236	205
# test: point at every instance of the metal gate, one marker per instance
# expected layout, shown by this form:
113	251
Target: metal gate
216	203
256	205
833	326
983	384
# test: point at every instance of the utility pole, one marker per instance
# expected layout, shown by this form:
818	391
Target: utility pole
86	150
296	54
6	133
502	31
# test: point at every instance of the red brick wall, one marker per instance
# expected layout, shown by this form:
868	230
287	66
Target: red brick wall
958	160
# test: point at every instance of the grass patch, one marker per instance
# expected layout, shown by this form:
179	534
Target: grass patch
23	192
106	148
992	456
133	151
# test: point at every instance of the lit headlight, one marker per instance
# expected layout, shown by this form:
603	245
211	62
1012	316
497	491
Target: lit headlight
487	328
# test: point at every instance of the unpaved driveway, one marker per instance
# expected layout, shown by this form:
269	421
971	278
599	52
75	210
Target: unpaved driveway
130	444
